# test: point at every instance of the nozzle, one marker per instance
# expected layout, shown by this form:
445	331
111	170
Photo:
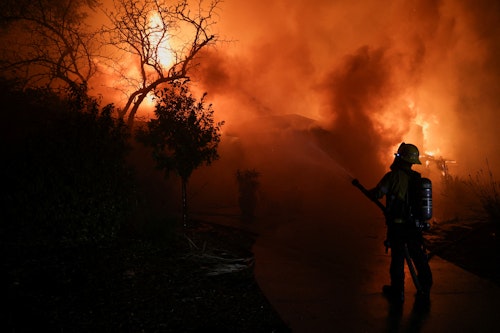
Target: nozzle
355	182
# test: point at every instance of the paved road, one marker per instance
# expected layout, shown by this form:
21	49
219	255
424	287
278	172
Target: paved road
325	275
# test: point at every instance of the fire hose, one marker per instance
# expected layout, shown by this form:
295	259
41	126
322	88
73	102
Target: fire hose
409	261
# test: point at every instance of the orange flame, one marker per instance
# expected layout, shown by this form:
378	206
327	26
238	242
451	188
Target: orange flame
159	39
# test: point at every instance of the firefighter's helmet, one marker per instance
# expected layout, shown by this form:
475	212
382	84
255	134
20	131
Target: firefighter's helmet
409	153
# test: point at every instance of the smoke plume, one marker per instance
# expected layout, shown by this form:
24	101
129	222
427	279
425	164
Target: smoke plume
415	71
314	93
359	78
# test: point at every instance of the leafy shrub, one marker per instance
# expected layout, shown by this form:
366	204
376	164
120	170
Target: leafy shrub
486	188
248	185
478	194
67	177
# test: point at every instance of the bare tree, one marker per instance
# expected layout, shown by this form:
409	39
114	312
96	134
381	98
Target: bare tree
145	33
47	43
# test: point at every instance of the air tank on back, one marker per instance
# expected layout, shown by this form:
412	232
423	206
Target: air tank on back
426	197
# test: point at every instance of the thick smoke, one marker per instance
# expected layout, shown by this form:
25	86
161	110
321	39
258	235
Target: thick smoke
314	93
378	71
363	77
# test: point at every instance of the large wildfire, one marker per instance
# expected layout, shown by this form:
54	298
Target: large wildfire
312	97
344	83
421	71
417	71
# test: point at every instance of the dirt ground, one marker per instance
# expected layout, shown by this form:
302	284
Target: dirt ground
202	280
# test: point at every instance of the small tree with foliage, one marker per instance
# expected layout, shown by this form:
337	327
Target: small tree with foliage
487	190
183	136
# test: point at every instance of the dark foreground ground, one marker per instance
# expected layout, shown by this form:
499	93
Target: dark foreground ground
201	281
471	245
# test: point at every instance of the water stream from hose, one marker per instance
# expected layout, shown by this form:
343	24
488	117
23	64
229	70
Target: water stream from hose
332	164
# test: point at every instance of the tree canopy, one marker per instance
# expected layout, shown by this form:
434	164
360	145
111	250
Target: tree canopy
184	135
161	38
